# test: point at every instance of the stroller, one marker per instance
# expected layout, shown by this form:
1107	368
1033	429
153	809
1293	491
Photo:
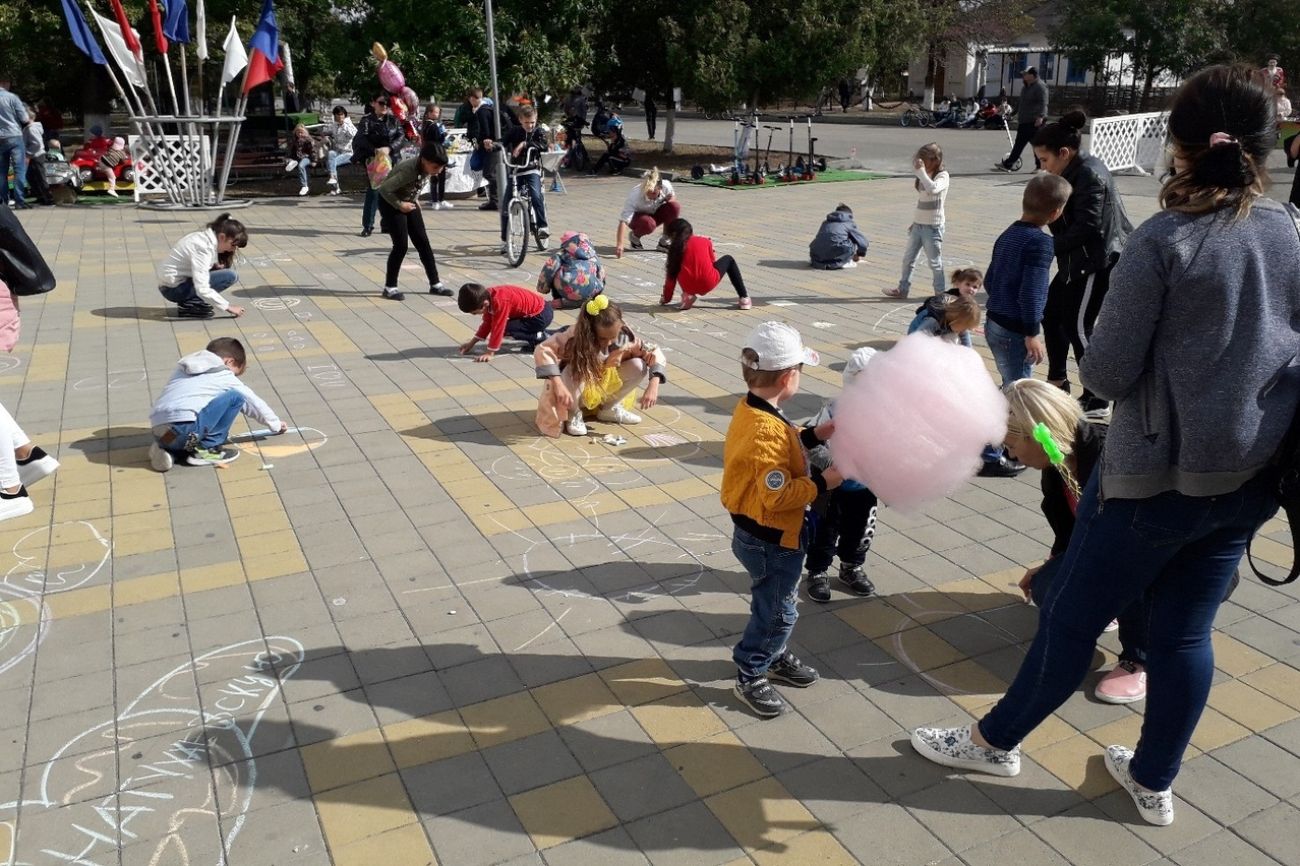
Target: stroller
577	158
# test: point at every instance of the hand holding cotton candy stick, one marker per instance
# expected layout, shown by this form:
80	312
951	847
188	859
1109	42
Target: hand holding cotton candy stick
914	422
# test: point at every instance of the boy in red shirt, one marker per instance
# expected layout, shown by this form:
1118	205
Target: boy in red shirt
515	311
691	263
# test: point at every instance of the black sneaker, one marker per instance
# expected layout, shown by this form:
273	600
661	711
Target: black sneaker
440	289
855	580
365	233
635	243
488	205
789	670
393	294
760	697
195	311
819	587
1003	467
210	456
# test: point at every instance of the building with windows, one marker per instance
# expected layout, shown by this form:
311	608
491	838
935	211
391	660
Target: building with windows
987	70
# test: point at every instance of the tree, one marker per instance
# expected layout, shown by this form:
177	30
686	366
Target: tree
1255	29
953	27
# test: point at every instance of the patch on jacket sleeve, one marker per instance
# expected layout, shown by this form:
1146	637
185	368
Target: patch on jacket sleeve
775	479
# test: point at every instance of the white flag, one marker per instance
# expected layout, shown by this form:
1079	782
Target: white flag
132	68
201	32
236	57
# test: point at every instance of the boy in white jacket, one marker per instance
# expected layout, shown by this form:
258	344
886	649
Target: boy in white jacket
192	417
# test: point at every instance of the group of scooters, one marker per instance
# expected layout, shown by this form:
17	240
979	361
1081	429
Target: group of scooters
740	173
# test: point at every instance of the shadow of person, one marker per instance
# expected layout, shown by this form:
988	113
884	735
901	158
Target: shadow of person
143	314
785	264
117	446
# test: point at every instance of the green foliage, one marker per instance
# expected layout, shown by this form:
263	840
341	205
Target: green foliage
39	54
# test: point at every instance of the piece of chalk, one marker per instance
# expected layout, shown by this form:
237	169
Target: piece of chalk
268	465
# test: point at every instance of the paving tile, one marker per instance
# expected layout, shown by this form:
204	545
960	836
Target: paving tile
562	812
432	795
642	787
1222	847
909	841
1272	831
530	762
1084	835
479	836
1219	791
689	835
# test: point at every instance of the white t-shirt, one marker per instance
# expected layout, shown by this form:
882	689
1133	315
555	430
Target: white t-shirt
638	203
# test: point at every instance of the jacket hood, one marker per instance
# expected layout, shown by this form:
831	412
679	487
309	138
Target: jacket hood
198	363
857	362
839	216
579	247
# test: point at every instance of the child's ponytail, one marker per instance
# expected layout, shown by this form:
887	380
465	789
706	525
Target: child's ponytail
224	226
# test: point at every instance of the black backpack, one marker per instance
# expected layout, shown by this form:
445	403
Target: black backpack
1286	468
22	266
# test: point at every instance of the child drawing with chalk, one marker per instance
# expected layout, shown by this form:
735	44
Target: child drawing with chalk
191	419
595	366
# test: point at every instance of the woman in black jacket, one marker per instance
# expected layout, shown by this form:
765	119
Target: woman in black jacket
1033	402
378	132
1088	238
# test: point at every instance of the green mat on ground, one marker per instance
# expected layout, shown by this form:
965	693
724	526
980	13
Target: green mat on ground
831	176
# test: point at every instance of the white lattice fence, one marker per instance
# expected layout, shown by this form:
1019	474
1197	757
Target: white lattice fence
175	163
1134	142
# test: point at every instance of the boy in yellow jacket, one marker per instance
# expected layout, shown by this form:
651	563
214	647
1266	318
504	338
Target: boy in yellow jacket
767	485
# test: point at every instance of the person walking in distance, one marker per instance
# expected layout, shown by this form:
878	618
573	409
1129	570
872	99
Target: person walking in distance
1032	115
651	114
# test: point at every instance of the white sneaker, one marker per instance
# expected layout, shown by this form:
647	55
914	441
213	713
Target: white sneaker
17	505
616	414
38	466
849	264
334	190
446	205
334	181
160	458
302	191
290	165
543	232
952	747
576	426
1155	807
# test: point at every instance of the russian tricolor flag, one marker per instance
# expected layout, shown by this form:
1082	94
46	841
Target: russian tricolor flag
263	50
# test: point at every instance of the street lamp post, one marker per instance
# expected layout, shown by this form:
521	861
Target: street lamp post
498	167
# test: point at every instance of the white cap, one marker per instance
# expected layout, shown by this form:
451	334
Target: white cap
779	347
857	362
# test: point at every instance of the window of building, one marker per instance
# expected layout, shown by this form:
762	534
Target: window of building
1075	72
1047	66
1016	64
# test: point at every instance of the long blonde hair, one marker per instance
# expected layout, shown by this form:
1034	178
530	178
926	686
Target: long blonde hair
583	352
1033	402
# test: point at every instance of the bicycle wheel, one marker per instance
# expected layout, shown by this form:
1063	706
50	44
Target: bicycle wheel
516	232
905	119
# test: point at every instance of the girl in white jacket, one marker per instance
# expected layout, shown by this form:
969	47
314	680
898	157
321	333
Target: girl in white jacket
926	231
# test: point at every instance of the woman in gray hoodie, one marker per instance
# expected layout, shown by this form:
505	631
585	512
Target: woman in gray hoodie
1197	345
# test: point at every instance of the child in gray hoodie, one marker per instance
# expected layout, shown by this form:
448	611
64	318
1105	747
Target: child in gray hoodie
192	417
839	243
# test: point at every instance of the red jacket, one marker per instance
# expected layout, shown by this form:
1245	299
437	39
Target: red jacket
508	302
698	276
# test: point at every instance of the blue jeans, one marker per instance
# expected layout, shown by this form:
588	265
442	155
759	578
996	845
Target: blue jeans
534	182
303	165
774	585
964	337
369	209
1180	553
13	152
184	294
212	426
930	239
1132	622
334	159
1009	352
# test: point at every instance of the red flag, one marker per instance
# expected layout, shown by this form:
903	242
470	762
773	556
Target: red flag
159	41
125	24
264	50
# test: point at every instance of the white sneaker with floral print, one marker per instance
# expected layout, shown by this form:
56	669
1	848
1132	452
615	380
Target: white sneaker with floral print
953	747
1155	807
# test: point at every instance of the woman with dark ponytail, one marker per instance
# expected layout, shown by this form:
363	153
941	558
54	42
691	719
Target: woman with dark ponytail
1088	239
1196	344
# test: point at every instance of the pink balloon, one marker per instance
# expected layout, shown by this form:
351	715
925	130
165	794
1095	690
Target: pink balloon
412	101
914	422
390	77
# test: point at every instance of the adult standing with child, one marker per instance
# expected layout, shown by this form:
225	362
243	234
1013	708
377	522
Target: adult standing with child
1087	240
378	138
1195	347
1031	116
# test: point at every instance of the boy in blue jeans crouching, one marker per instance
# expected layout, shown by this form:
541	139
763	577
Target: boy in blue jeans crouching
192	418
767	485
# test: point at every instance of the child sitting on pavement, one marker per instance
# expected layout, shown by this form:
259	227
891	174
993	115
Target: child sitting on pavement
839	243
594	367
948	318
846	516
767	486
573	274
192	417
507	311
194	274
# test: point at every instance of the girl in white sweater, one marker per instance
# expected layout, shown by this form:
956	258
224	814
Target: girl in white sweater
926	230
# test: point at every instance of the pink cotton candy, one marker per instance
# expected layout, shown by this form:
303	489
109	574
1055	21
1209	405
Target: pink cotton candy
914	422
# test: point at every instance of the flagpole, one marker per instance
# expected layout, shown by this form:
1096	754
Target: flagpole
240	105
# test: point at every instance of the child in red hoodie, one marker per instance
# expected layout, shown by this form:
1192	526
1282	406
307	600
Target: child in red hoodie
691	262
507	311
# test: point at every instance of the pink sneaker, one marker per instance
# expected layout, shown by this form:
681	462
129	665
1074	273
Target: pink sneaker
1126	684
688	301
744	304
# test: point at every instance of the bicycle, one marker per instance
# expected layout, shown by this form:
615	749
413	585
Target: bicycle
915	114
520	218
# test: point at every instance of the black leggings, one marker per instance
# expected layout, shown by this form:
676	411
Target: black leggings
727	267
1071	311
401	226
438	187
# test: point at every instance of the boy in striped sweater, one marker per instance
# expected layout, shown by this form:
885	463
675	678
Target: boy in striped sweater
1018	277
